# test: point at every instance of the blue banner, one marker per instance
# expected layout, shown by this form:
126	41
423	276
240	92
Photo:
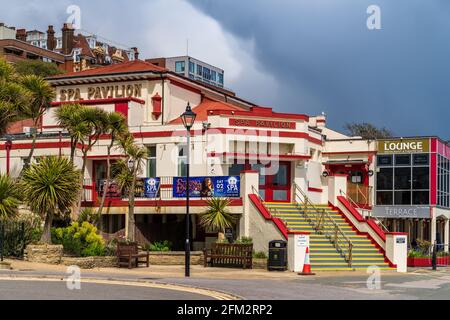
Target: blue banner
205	187
151	186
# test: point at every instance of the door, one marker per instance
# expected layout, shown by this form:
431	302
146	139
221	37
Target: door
275	187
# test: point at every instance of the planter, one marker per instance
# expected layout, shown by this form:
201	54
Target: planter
45	253
426	262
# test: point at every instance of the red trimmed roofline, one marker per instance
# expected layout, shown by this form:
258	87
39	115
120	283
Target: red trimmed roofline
260	112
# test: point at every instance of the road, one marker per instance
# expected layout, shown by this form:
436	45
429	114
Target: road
57	290
337	286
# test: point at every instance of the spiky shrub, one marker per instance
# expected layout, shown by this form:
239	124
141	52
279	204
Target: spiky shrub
50	187
217	217
9	197
79	239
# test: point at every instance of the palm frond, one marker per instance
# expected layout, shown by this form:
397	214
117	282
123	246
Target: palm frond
217	216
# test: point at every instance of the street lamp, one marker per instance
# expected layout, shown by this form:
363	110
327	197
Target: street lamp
188	118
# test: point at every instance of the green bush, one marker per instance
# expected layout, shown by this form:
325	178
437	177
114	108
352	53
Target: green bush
259	255
161	246
89	215
244	240
80	240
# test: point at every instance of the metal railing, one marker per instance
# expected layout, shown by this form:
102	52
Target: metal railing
358	207
277	213
324	224
360	194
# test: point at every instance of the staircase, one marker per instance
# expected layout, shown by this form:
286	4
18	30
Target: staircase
323	255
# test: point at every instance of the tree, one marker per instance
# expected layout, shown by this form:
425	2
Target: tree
126	172
14	98
37	68
217	217
10	197
116	126
367	131
50	187
69	117
41	98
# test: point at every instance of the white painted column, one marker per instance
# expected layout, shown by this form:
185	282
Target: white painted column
249	185
336	184
297	244
447	234
397	250
433	226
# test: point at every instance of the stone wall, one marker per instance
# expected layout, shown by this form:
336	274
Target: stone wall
50	254
175	258
90	262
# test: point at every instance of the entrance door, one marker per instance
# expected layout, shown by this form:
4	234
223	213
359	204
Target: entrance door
275	187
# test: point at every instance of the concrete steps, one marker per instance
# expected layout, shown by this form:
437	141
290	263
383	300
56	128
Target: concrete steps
323	255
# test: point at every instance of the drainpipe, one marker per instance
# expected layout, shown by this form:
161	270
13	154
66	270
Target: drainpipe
163	99
8	146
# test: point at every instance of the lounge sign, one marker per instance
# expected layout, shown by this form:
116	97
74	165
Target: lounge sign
262	123
102	92
404	146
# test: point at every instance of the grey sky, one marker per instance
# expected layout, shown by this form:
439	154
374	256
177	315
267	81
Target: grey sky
296	56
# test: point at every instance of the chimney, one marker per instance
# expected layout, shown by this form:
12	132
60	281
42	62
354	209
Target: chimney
67	38
51	41
21	34
136	53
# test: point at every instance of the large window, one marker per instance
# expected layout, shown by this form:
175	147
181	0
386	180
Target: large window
179	66
403	179
151	167
443	182
182	159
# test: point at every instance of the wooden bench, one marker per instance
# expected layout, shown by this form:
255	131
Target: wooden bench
128	255
229	255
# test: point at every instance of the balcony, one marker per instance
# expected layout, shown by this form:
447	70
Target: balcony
164	196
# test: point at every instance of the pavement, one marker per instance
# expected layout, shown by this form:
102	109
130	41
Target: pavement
41	281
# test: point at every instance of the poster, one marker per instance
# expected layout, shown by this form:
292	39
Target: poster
205	187
151	187
113	189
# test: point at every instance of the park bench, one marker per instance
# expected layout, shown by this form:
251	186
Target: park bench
229	255
128	255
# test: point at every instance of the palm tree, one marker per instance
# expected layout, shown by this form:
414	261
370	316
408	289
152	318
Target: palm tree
42	95
126	172
217	217
50	187
116	126
14	98
10	197
69	118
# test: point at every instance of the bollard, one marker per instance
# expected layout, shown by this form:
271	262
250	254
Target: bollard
433	258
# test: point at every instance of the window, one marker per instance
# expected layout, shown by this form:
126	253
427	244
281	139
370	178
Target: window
151	167
402	159
221	78
235	169
443	181
179	66
383	161
403	179
191	67
206	74
356	176
199	70
213	76
182	160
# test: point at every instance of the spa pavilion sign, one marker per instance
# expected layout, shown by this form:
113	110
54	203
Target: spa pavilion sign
101	92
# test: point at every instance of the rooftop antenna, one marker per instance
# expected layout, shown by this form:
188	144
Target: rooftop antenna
187	47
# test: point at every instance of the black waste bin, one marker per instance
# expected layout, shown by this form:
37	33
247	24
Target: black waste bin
277	256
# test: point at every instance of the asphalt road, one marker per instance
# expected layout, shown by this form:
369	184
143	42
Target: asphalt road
50	290
345	286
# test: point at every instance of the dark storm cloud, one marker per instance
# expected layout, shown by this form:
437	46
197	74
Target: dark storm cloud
327	59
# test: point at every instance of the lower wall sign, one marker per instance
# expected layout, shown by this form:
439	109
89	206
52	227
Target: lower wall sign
204	187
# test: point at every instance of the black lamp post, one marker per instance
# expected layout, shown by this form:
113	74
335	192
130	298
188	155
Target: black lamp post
188	118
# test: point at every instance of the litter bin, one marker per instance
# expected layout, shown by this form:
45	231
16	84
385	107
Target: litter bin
277	256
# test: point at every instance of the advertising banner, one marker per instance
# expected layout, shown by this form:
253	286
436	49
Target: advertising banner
151	187
113	191
204	187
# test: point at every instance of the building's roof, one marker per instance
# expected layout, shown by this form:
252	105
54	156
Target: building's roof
209	105
126	67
